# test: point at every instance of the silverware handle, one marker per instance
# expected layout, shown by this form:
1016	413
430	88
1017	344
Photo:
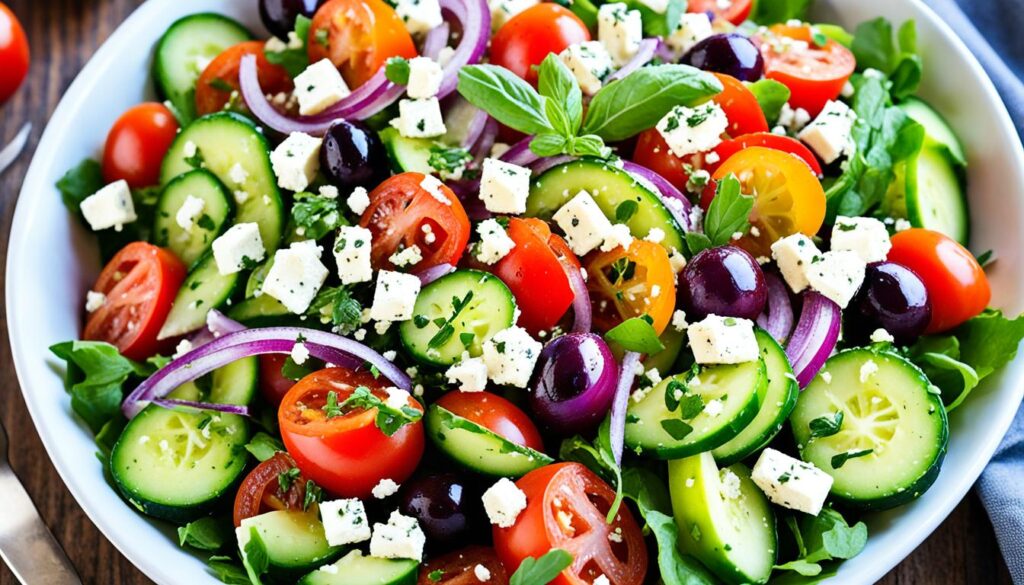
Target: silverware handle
26	545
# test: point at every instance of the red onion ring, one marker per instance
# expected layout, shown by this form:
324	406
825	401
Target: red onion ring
435	41
644	54
777	318
814	338
667	191
223	408
617	428
549	163
482	148
475	23
476	129
219	324
434	272
520	153
582	311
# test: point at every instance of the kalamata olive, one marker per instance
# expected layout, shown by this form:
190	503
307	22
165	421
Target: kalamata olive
730	53
442	505
724	281
574	383
353	156
892	298
279	15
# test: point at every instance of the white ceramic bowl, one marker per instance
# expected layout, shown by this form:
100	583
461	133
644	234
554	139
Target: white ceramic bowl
52	262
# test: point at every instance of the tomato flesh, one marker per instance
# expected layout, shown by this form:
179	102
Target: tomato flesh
740	106
137	143
358	36
458	568
260	491
630	283
528	37
728	148
814	75
495	414
216	86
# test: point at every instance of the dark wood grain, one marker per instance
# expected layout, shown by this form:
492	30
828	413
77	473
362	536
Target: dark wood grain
64	34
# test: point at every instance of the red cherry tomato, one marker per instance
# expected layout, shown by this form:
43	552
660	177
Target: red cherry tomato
735	11
273	384
767	140
140	283
495	414
347	454
813	74
530	36
403	213
566	505
458	568
137	143
260	491
741	107
957	285
14	54
539	256
219	80
652	151
358	36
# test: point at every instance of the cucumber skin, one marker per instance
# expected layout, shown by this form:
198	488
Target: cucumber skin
436	425
158	220
323	578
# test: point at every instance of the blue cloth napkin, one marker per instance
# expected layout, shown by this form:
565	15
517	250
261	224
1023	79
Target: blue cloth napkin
992	30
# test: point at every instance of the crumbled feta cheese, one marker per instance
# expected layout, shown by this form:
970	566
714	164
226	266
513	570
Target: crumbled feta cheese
300	353
829	134
190	149
676	260
498	149
848	90
837	275
239	248
419	118
352	254
410	256
714	407
400	538
494	242
794	254
723	340
469	373
358	201
583	222
394	296
296	276
791	483
793	120
729	484
589	62
882	336
510	356
655	236
679	320
690	130
868	370
902	225
419	16
329	192
425	77
435	187
238	174
691	29
110	207
503	10
94	300
866	236
658	6
620	30
385	487
184	346
189	212
344	521
296	161
504	187
319	87
482	573
618	236
602	579
872	73
712	158
503	502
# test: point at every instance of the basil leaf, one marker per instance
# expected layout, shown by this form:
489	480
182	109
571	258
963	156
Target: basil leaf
228	571
635	334
729	212
205	533
504	96
542	570
79	183
548	144
556	82
558	118
263	446
589	145
675	568
397	70
771	95
697	242
636	102
674	14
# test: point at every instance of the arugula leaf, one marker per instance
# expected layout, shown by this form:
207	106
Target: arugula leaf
825	426
254	556
96	375
294	59
506	97
675	568
79	183
543	570
635	334
824	537
729	212
875	47
205	533
771	96
263	446
397	70
228	571
775	11
316	216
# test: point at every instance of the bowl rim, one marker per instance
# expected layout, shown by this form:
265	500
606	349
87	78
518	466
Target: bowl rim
86	82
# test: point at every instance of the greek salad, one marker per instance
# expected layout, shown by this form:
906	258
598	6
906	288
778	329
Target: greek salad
525	292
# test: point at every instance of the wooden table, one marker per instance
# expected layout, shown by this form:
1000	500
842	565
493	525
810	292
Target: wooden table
64	34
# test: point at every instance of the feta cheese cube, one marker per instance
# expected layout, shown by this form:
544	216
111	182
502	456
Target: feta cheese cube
424	78
395	296
679	320
110	207
344	521
494	242
503	502
238	248
881	335
400	538
618	236
691	130
296	161
692	28
358	201
620	30
94	300
410	256
419	118
319	87
328	192
510	356
419	16
387	487
866	236
794	254
791	483
189	212
837	275
659	6
482	573
583	222
589	62
352	254
296	276
504	187
829	134
723	340
469	373
503	10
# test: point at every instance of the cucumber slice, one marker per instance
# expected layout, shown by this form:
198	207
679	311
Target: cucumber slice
407	154
734	389
665	360
355	569
176	464
888	406
261	311
777	402
730	530
610	187
217	208
478	448
936	198
185	50
235	383
204	288
224	140
294	540
937	130
491	308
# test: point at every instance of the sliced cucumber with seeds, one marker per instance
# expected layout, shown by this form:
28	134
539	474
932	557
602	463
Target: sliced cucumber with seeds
356	569
777	402
204	288
294	540
691	413
455	314
235	383
479	448
893	435
217	207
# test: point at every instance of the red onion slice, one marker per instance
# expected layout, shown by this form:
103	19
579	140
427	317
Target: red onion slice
434	272
617	430
582	311
548	163
220	324
224	408
476	129
777	318
644	54
435	41
520	153
482	148
474	19
814	338
676	202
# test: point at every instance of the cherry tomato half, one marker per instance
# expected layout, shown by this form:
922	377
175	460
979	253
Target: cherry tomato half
140	283
220	78
14	54
273	384
741	107
260	491
137	143
530	36
458	568
652	151
735	11
402	214
358	36
495	414
346	454
726	149
813	74
956	283
629	283
566	505
539	256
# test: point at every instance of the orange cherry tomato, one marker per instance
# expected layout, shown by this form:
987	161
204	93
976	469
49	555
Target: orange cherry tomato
793	146
402	214
566	505
358	36
14	54
735	11
495	414
137	144
260	491
530	36
347	454
957	285
630	283
788	198
813	74
458	568
219	80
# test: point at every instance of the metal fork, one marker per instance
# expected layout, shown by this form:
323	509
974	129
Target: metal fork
11	152
26	545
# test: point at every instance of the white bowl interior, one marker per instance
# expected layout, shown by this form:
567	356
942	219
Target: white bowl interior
46	243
